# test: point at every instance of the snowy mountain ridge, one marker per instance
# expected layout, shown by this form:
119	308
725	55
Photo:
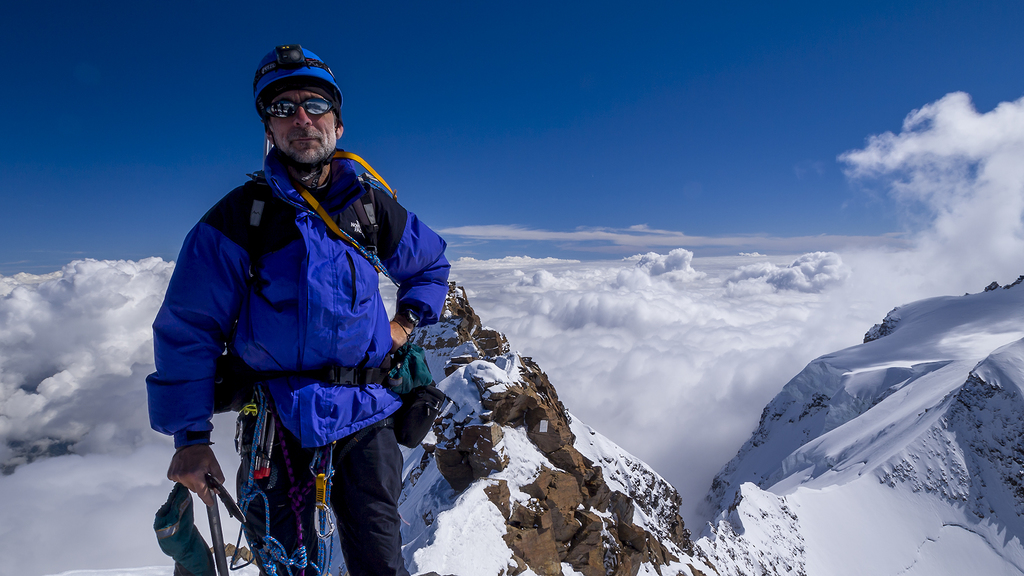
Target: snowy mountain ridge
510	483
902	455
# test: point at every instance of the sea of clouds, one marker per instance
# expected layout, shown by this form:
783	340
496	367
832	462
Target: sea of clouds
671	356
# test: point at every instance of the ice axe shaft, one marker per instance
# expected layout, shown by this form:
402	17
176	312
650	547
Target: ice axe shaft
217	535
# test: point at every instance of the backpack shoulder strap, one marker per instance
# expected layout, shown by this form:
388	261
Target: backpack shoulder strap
367	216
262	195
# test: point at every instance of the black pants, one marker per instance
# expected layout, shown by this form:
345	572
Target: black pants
364	496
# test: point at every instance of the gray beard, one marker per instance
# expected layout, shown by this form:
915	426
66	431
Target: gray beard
309	164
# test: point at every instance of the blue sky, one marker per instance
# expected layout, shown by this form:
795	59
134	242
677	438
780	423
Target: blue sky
127	121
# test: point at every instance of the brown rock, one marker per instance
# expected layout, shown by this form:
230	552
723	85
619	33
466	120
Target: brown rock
498	494
519	566
568	458
565	495
548	429
536	548
559	494
454	467
510	407
478	443
564	525
586	551
243	552
622	507
457	307
598	493
523	517
479	437
456	363
662	552
629	564
491	343
556	488
632	536
588	559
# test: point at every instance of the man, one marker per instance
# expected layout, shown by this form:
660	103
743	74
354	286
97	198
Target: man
265	277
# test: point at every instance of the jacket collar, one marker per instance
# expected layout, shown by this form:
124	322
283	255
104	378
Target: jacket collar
341	192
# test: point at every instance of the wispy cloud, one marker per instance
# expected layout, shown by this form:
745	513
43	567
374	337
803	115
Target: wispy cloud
621	240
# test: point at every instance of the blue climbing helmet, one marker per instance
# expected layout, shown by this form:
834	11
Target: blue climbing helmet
292	67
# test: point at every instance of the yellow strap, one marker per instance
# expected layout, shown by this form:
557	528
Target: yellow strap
351	156
321	212
333	227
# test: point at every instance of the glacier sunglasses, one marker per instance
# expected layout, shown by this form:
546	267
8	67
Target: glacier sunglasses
287	108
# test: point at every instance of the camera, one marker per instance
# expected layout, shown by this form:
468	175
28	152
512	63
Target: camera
290	55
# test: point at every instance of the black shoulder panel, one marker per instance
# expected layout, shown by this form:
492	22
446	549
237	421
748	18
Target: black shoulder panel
232	216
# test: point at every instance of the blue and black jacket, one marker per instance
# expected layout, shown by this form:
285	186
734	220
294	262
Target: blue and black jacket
308	301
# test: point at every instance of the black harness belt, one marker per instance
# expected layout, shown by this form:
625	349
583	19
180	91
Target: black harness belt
342	376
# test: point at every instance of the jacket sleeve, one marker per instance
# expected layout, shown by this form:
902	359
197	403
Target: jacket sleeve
191	330
419	265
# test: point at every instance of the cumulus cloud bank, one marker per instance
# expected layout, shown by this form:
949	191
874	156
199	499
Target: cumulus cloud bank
671	356
74	348
809	273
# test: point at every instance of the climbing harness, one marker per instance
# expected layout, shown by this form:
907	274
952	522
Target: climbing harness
269	549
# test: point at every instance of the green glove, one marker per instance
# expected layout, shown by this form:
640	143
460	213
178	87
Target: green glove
409	369
178	536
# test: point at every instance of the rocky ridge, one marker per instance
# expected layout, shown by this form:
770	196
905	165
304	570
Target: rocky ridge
550	494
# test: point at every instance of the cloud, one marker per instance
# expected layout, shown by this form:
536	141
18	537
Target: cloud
960	178
628	240
672	267
75	346
809	273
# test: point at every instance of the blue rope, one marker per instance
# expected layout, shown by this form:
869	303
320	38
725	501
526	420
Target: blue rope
371	257
270	550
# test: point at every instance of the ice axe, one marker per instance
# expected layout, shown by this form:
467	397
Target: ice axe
216	533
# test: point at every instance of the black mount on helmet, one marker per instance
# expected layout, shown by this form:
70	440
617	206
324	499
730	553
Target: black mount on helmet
289	56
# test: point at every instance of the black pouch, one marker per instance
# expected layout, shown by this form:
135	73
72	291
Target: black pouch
232	384
420	408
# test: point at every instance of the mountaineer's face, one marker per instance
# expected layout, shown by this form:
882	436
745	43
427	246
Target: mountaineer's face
304	137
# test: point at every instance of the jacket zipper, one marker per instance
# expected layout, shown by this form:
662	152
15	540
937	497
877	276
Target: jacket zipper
352	270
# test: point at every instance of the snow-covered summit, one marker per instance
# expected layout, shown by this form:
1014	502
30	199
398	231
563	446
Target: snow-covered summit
902	455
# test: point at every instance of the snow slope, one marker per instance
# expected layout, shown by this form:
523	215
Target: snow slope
902	455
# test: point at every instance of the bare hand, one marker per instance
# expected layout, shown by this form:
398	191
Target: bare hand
399	335
190	464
